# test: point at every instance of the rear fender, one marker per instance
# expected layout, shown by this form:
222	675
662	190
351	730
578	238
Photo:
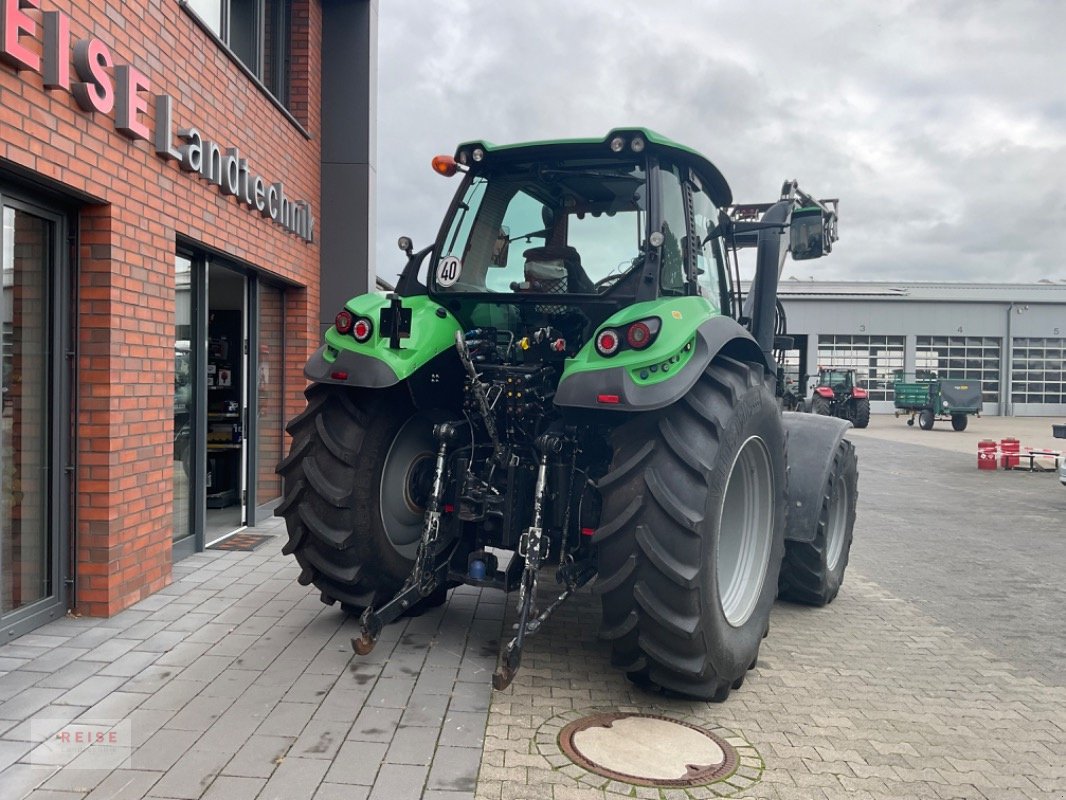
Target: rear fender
640	382
374	364
824	391
812	441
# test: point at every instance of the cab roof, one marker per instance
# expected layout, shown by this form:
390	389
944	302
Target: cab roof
715	182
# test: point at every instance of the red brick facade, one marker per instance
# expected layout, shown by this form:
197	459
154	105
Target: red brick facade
141	206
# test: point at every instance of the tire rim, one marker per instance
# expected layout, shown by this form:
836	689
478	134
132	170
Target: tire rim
837	524
406	481
745	531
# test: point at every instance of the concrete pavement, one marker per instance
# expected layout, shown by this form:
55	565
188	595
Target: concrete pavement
937	673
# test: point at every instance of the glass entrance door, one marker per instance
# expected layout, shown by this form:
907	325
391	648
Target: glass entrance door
31	589
227	402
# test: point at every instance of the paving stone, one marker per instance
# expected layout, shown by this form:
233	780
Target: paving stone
128	664
162	750
375	724
470	697
12	751
320	739
28	702
399	780
125	784
19	780
341	791
295	779
50	794
199	714
191	775
425	710
413	746
161	642
464	729
286	718
110	650
150	679
259	756
454	769
357	763
43	724
173	696
75	780
91	690
226	787
391	692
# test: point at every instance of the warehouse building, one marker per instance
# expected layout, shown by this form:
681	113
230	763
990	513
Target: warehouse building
1010	337
180	182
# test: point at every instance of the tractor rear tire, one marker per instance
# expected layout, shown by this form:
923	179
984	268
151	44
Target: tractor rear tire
353	480
692	534
862	413
812	572
819	405
926	420
958	421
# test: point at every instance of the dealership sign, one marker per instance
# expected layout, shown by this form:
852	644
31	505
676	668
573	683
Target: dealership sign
123	94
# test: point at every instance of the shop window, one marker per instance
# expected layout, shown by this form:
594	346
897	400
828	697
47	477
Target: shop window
257	32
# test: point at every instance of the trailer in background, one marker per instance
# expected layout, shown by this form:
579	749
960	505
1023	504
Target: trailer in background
930	398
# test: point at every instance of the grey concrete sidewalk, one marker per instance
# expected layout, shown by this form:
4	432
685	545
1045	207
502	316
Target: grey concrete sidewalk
937	673
236	682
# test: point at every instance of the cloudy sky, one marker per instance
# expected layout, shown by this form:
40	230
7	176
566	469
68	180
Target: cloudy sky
941	126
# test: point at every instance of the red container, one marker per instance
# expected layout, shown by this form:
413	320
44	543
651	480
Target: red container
986	454
1006	448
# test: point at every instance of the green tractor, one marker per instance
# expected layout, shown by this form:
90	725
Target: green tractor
568	377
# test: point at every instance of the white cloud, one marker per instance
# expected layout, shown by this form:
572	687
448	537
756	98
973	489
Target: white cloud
940	126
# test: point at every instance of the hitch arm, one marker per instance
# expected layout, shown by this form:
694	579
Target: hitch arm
426	574
549	444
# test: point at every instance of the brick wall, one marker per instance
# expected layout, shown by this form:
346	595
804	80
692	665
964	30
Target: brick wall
125	269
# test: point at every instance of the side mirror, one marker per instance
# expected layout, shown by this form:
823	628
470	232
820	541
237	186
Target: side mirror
807	234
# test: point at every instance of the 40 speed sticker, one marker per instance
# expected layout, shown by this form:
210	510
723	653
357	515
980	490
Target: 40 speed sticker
448	271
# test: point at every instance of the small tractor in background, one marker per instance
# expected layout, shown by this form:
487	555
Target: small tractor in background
837	394
569	376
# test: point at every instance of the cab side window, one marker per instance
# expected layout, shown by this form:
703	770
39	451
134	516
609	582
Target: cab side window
709	250
672	272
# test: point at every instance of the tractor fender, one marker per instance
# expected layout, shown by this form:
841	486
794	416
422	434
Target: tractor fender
375	364
613	388
812	441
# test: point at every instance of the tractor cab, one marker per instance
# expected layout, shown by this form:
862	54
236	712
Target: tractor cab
839	381
564	233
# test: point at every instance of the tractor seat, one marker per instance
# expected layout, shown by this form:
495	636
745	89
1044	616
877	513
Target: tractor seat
539	261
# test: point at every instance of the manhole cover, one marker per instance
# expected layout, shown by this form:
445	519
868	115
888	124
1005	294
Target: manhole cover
647	750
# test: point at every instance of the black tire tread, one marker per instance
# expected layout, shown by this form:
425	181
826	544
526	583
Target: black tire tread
862	412
326	482
805	577
649	541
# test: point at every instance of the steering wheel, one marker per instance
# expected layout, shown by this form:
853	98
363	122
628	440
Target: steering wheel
608	280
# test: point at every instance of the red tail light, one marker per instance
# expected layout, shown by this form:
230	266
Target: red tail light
638	335
343	321
608	342
362	329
